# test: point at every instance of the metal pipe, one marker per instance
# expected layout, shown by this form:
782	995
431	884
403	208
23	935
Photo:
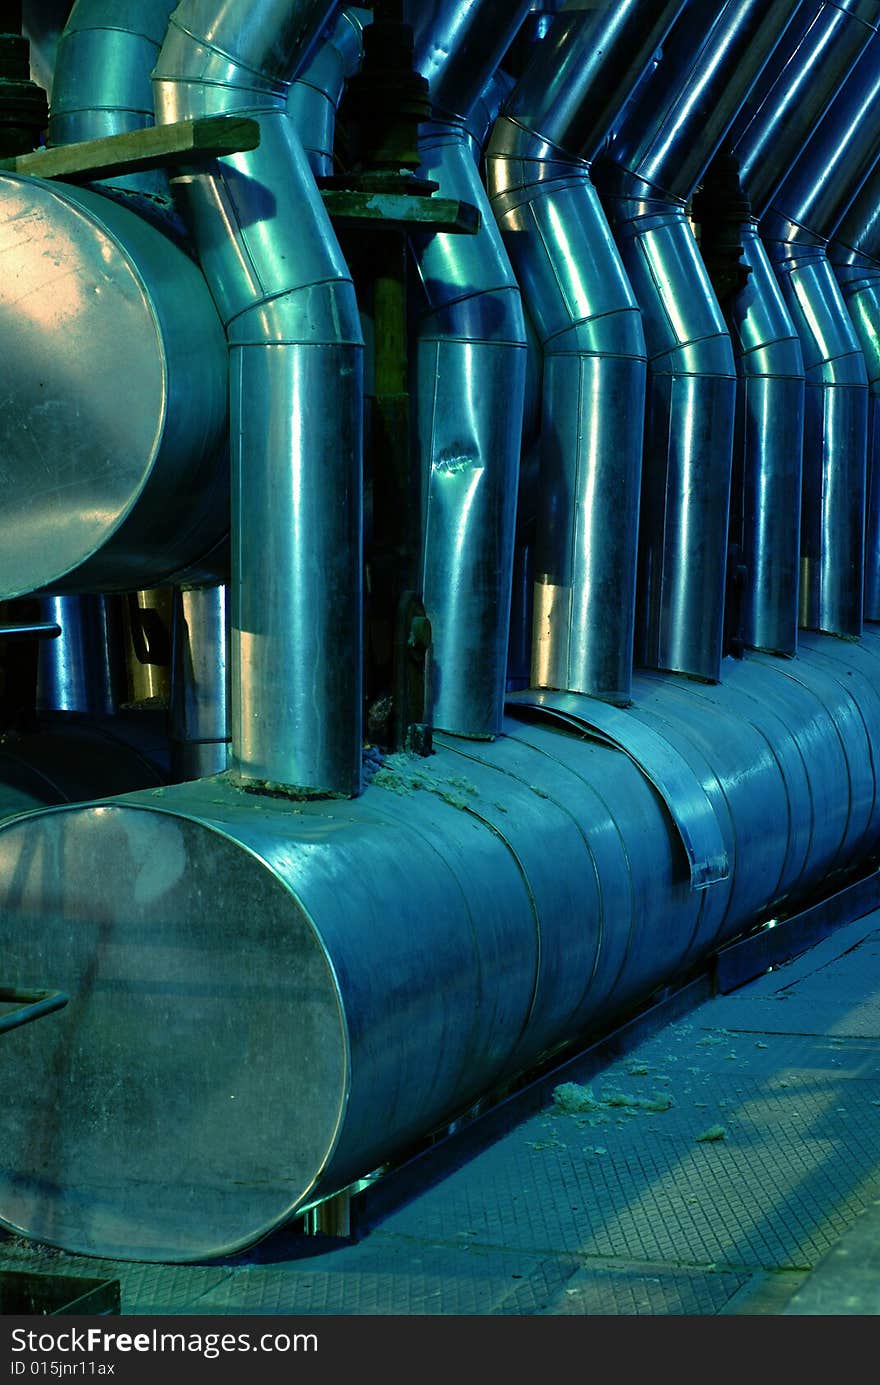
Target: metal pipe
670	131
767	451
81	670
589	325
199	683
471	376
286	298
453	898
101	84
855	255
810	64
814	58
805	212
314	97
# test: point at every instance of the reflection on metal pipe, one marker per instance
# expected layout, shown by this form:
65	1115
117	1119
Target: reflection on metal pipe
102	77
81	671
670	131
286	297
855	255
467	844
806	209
314	97
810	64
471	366
812	61
588	322
199	683
768	449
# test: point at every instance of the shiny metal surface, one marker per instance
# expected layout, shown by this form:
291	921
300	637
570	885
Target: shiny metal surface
582	73
81	671
679	116
669	132
834	162
199	683
588	323
458	45
686	802
222	943
101	81
835	440
285	295
768	452
859	280
471	368
686	469
810	64
104	488
315	95
592	423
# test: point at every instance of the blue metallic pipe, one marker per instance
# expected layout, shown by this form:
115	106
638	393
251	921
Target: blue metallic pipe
589	325
325	987
810	64
806	210
314	97
855	255
101	84
285	295
471	376
669	133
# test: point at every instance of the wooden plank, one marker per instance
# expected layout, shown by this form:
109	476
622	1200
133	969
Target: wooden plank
184	141
399	211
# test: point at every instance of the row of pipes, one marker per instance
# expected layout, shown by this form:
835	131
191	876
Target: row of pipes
607	406
579	326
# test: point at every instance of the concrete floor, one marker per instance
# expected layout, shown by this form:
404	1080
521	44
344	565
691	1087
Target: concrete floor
727	1164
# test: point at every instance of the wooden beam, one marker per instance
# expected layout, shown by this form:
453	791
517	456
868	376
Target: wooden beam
157	146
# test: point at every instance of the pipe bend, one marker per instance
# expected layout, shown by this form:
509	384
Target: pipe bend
684	328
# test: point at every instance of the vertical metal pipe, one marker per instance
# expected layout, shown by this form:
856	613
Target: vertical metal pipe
285	295
199	683
471	378
810	64
667	137
805	211
589	325
80	671
855	255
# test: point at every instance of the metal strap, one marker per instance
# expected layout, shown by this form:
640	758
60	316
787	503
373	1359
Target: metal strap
663	766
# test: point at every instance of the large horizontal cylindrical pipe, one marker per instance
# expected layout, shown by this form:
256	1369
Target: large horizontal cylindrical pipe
258	963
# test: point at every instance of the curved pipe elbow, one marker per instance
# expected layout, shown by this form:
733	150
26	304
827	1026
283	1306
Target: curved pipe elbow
684	328
832	355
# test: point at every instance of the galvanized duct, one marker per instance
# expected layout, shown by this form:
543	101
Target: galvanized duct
671	129
471	367
855	254
804	213
314	97
381	963
199	721
810	64
101	84
588	322
286	298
